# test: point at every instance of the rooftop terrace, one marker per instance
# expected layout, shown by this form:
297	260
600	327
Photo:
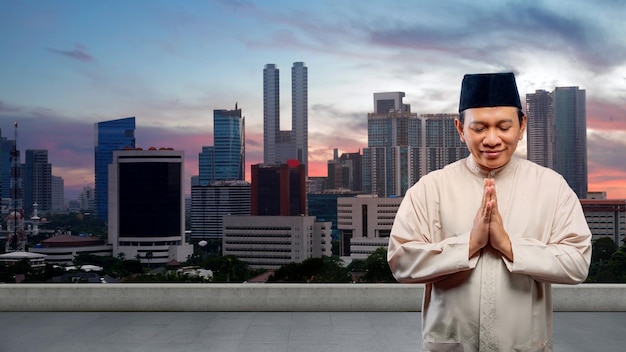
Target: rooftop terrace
264	317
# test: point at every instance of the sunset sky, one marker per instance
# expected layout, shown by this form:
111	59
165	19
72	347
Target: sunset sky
65	65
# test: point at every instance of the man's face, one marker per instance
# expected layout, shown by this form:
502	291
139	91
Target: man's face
491	134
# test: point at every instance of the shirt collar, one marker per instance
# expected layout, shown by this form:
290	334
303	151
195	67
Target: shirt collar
478	170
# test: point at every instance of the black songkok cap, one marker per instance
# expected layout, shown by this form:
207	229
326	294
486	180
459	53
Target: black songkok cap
489	90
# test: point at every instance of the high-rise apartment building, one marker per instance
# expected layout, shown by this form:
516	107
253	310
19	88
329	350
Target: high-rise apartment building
540	128
441	144
300	112
271	112
280	146
146	205
391	160
226	159
345	171
210	203
110	136
37	181
557	134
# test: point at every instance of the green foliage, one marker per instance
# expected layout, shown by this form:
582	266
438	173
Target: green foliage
608	262
31	275
602	249
376	267
170	276
77	223
227	268
325	269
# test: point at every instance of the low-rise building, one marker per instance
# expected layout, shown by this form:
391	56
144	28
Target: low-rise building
273	241
62	249
364	223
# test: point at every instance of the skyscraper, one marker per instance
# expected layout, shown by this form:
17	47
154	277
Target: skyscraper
206	166
345	171
37	181
146	205
6	145
280	146
540	128
391	161
557	133
58	197
221	188
570	142
441	142
230	145
110	135
278	190
300	112
271	112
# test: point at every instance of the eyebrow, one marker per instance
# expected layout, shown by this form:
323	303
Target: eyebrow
497	123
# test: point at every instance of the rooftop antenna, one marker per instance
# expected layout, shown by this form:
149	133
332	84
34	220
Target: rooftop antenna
16	236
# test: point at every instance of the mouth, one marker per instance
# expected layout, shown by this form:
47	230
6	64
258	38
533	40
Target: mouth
492	154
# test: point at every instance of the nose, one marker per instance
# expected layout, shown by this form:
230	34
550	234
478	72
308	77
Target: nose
492	138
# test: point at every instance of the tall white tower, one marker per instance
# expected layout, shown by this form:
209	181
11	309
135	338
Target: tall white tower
300	112
271	113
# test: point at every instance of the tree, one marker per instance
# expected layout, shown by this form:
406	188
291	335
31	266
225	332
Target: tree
149	256
227	268
325	269
376	267
602	249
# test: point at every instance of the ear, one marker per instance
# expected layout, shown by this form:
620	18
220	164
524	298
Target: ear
459	129
522	128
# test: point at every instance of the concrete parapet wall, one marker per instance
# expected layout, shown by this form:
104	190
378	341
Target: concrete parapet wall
266	297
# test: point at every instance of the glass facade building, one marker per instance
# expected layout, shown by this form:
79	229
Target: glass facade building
6	145
570	142
229	145
146	205
557	134
109	136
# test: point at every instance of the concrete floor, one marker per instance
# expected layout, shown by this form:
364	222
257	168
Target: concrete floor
264	331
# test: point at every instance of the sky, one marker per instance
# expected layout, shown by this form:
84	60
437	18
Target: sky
65	65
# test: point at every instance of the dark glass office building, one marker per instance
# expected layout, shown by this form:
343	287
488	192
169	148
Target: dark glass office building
146	205
279	190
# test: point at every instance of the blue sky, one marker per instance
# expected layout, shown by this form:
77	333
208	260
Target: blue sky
65	65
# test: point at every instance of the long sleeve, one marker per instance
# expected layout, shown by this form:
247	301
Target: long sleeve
418	252
564	258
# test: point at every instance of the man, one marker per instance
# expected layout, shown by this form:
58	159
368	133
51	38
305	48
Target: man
488	234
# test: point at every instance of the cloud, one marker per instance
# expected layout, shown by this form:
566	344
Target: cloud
78	53
606	116
8	108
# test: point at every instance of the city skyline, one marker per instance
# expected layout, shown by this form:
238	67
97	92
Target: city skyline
68	65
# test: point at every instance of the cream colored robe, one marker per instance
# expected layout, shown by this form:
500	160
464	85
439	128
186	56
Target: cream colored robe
489	303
